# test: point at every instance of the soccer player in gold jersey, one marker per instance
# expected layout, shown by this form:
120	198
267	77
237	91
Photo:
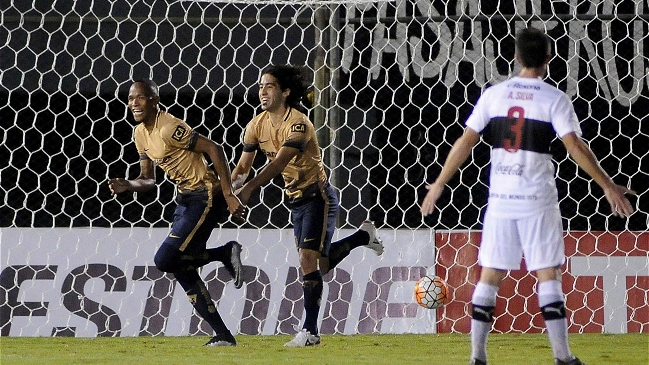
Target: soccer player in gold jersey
204	199
287	137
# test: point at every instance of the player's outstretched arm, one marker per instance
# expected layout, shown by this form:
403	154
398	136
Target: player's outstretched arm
217	156
584	157
144	182
459	153
242	169
274	168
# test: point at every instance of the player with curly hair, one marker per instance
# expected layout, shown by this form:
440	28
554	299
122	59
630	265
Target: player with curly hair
287	137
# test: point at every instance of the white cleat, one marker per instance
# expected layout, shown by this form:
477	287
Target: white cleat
302	339
375	242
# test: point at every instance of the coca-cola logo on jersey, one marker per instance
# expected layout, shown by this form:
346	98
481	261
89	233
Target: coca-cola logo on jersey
515	169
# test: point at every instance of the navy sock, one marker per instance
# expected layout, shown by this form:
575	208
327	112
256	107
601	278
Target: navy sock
221	253
201	299
312	286
341	249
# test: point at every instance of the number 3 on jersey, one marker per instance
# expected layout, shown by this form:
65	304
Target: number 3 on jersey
516	115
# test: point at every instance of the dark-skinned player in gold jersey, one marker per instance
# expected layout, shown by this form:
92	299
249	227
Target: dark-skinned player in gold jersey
287	137
204	200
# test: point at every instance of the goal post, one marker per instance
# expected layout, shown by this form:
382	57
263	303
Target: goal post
393	81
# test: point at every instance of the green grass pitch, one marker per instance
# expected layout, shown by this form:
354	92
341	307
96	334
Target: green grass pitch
447	349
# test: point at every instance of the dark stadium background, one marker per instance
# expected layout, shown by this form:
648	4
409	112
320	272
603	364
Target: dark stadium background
66	129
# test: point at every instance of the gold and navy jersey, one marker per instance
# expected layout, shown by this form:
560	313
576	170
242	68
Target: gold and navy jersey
296	131
169	145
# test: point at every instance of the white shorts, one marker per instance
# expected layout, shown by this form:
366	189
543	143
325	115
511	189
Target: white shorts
539	238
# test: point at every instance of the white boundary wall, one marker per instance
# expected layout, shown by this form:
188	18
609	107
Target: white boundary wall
408	255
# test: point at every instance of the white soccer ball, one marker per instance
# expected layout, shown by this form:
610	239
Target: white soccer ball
431	292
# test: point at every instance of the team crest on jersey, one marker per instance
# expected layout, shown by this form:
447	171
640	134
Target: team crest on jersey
298	128
179	133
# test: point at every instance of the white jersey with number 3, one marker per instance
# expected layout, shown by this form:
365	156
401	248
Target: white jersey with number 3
519	118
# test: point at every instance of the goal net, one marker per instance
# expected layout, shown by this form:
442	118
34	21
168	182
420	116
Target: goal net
394	82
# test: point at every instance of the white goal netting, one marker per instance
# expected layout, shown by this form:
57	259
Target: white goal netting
394	82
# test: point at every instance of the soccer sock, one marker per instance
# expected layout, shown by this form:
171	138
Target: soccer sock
312	286
553	310
484	302
201	299
195	261
221	254
341	249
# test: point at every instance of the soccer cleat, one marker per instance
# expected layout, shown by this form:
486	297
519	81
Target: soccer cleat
234	266
375	242
302	339
477	362
222	339
574	361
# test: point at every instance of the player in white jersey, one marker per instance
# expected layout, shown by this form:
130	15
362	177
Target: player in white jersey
520	118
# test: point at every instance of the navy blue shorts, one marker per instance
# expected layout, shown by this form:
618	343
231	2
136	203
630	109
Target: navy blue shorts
196	215
314	219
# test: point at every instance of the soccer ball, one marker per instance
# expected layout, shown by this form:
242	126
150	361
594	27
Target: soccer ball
431	292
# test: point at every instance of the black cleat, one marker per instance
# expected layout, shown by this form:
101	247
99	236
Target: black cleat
222	339
477	362
234	266
574	361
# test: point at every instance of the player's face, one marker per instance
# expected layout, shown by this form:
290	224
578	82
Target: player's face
141	103
271	96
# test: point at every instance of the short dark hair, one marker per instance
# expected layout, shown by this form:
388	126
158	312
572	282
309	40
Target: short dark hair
150	85
291	77
532	47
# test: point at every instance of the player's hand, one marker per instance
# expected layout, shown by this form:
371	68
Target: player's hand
118	185
235	207
238	182
434	192
620	205
243	194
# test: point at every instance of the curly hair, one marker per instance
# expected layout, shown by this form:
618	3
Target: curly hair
290	77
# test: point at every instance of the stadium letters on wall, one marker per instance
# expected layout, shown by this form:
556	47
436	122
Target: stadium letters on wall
102	282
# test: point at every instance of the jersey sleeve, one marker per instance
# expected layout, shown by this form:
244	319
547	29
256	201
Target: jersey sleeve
479	117
250	138
139	146
564	118
299	134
